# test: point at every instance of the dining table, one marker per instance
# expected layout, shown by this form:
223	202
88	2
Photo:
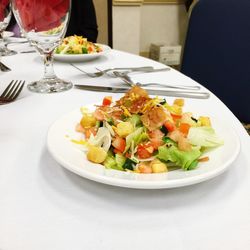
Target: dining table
43	205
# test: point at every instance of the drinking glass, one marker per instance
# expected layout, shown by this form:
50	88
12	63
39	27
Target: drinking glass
5	16
44	23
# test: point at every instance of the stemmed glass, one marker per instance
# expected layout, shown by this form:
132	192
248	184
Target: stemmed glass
5	16
44	23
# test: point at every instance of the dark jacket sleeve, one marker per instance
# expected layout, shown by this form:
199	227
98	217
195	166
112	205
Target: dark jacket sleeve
83	20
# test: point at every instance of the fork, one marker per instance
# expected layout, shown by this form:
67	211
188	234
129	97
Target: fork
128	80
11	92
102	72
4	68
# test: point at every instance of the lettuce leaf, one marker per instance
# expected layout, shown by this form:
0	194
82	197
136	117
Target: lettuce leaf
137	136
204	137
186	160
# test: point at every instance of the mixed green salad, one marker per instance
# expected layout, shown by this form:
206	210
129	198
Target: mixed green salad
77	45
145	135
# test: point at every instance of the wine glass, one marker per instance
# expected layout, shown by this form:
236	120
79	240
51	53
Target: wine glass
5	16
44	23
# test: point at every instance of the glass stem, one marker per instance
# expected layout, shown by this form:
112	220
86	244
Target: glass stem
48	65
1	40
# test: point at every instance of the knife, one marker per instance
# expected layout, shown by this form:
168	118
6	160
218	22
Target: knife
174	93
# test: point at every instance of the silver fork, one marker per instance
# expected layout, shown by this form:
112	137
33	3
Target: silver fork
102	72
4	68
124	76
11	92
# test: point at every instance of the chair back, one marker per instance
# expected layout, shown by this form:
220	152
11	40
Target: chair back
217	51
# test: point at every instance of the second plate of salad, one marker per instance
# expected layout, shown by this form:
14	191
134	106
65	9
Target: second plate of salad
79	49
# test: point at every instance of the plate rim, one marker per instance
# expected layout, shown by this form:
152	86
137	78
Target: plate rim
143	184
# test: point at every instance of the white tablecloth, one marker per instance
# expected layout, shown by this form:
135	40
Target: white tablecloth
44	206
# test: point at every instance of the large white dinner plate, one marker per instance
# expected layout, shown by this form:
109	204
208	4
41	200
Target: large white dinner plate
82	57
71	156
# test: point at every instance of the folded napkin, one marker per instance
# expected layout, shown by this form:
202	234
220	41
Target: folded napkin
41	15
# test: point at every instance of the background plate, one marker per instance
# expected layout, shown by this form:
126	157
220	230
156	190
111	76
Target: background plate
81	57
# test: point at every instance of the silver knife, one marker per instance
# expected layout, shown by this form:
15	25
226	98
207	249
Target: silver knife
174	93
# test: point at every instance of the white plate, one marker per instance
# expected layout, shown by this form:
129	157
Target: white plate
81	57
70	156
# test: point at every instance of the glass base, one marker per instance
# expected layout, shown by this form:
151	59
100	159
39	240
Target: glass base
50	85
7	52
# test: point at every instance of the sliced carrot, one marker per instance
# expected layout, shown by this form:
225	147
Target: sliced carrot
184	128
203	159
169	126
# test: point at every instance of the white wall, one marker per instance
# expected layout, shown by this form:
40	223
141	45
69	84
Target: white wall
136	27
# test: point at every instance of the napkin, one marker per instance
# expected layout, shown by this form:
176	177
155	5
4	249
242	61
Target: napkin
41	15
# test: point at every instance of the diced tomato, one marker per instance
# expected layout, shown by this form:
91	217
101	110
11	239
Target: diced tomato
169	126
184	128
145	150
119	144
107	100
116	151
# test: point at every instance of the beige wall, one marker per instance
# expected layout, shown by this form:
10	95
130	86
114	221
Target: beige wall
102	20
162	24
126	28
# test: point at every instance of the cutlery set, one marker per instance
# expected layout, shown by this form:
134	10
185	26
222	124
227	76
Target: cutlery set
188	94
122	73
14	88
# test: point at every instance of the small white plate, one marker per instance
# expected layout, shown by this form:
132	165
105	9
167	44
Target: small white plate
70	156
81	57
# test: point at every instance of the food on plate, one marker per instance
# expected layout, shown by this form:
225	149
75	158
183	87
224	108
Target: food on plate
77	45
145	135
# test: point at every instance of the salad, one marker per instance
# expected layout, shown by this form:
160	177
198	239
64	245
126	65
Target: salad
77	45
145	135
